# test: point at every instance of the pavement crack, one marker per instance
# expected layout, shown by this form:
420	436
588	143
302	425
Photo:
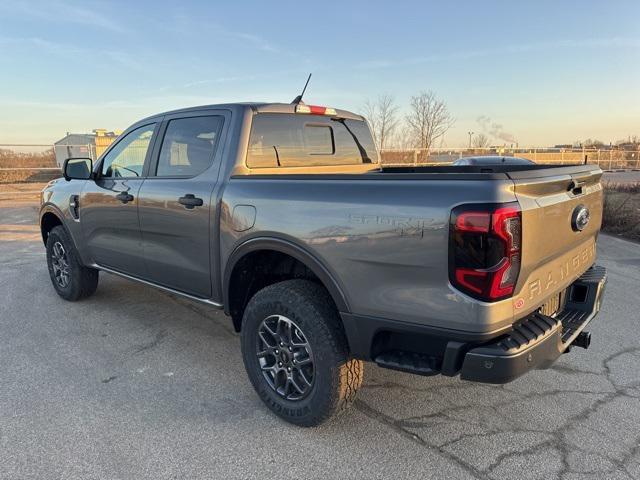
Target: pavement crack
624	464
572	370
526	451
157	340
370	412
556	437
396	426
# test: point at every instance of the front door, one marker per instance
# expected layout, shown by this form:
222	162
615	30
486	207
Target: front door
176	210
108	206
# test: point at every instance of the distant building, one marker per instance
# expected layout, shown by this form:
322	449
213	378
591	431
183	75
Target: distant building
629	146
90	145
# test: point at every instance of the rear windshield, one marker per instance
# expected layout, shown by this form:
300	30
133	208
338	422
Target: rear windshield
299	140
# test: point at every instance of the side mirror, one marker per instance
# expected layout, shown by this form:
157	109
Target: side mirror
77	169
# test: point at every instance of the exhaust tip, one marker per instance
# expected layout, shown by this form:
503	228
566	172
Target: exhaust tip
583	340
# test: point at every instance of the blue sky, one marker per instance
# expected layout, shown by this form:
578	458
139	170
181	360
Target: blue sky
547	71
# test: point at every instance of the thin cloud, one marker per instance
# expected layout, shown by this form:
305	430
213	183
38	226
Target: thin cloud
63	12
64	105
41	44
614	42
71	52
237	78
206	81
258	42
186	26
144	105
377	64
229	79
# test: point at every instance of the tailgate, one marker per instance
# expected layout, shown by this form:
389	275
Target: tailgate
556	245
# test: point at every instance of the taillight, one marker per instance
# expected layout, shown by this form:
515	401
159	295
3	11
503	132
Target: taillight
484	250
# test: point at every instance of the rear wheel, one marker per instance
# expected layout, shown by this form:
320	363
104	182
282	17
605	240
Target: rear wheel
296	354
71	280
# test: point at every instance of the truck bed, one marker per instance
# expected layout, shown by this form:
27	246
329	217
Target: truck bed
426	172
383	233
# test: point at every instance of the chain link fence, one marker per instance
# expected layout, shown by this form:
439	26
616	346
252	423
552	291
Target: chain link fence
607	159
36	163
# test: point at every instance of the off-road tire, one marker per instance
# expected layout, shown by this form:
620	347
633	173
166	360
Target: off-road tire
337	377
82	281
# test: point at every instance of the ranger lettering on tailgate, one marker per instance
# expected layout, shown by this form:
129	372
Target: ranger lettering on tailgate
570	268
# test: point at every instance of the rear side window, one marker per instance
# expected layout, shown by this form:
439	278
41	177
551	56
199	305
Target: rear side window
188	146
290	140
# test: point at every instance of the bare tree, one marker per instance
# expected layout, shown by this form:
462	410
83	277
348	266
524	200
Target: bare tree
429	119
402	139
591	143
382	115
480	141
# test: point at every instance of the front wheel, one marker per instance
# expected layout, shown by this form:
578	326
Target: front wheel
71	280
295	352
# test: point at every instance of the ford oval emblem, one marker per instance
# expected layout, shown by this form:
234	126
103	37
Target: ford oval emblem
580	218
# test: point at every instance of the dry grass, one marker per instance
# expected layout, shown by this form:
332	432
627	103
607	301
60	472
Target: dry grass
20	160
15	176
621	214
27	176
12	159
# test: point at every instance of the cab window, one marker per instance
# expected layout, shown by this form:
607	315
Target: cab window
188	146
126	158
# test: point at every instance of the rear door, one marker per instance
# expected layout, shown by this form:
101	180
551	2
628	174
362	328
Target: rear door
108	206
177	207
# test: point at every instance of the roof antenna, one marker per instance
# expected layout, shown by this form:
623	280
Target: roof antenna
298	99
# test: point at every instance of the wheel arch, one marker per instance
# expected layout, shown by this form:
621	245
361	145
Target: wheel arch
50	218
284	247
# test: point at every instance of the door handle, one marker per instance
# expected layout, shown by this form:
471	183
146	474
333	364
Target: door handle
190	201
124	197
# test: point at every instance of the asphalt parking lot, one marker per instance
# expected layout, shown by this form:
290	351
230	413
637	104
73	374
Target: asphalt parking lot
136	383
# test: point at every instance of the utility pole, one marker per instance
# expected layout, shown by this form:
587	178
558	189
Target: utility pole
470	135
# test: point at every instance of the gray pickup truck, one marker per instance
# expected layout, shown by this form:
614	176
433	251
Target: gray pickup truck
282	215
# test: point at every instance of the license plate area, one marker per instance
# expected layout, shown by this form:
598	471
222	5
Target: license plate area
553	305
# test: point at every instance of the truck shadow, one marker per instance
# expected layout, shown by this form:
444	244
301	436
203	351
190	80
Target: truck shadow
484	429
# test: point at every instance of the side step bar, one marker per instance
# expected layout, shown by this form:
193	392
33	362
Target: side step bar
417	363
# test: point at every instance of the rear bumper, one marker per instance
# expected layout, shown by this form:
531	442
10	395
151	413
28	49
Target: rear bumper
535	342
538	340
